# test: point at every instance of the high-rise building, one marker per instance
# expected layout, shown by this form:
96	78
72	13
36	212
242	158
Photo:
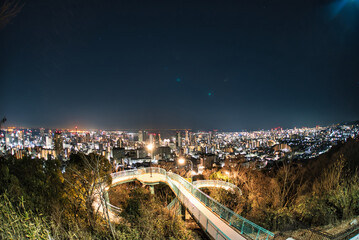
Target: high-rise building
152	135
187	138
48	142
178	139
21	139
157	139
7	139
142	136
58	143
209	137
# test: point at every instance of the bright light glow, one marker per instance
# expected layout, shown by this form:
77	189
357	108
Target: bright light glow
226	172
181	161
150	147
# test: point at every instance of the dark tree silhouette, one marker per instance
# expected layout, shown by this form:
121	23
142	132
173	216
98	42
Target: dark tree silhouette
8	10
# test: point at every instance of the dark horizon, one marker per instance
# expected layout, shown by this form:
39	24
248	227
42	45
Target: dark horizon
189	65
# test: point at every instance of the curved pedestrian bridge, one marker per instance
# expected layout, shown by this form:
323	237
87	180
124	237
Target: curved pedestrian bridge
216	184
216	220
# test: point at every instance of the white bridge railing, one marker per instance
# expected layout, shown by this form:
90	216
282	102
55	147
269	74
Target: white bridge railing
217	184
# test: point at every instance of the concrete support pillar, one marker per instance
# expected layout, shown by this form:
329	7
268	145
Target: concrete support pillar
183	212
152	189
106	196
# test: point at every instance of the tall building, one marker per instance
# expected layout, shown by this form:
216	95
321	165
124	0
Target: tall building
157	139
21	137
8	139
209	137
152	135
178	139
187	138
58	143
48	142
142	136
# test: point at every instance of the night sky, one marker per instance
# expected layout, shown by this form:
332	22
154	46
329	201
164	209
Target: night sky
227	65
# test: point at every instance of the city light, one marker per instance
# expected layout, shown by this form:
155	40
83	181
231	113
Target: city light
181	161
150	147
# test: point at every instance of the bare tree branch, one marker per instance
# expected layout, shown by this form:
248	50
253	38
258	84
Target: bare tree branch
8	10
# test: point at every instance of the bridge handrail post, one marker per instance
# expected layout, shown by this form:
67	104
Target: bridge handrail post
242	226
258	234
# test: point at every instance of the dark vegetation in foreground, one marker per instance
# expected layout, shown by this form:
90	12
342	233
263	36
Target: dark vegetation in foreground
39	201
146	213
311	193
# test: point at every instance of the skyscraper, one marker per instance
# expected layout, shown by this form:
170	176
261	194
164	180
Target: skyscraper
187	138
58	143
142	136
152	138
178	139
48	142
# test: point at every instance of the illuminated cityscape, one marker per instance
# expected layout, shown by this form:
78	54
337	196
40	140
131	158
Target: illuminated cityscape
127	149
179	120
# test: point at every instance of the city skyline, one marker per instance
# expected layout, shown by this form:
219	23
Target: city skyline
198	65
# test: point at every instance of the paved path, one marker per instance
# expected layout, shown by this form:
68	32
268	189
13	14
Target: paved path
198	210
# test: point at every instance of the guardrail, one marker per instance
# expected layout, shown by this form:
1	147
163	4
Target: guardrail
207	225
243	225
355	237
216	183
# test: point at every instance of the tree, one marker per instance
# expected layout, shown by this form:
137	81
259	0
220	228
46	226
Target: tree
8	10
85	178
37	181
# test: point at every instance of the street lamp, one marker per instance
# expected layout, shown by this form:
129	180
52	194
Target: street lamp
150	148
182	161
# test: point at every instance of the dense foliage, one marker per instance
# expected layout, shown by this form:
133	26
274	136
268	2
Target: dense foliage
41	199
146	214
295	194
